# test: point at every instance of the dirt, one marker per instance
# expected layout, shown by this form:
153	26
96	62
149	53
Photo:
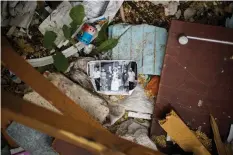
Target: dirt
144	12
140	12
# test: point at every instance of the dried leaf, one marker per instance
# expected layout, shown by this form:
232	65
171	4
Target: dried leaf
49	39
60	62
77	14
107	45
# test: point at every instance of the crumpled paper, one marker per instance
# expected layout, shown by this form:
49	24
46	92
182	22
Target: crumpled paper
138	101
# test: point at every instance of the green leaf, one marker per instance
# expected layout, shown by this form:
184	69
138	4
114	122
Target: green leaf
60	62
102	35
66	31
107	45
49	39
77	14
73	26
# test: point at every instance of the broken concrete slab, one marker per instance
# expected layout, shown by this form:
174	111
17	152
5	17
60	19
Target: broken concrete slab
81	78
81	63
93	104
35	98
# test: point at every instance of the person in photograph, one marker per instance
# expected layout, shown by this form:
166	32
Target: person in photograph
96	76
103	80
109	77
131	78
125	77
115	81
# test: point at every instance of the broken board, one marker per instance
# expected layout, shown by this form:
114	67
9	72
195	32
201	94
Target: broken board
197	78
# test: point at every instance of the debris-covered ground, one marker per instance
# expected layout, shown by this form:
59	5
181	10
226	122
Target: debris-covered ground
134	12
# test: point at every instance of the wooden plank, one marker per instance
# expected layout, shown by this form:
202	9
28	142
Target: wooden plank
68	129
197	77
217	139
42	86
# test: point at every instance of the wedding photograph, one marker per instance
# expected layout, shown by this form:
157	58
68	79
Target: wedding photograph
113	76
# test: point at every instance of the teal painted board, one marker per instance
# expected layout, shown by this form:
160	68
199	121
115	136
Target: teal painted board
143	43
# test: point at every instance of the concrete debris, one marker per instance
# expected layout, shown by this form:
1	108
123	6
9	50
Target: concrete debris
90	102
81	78
160	2
35	98
31	140
171	8
189	13
81	63
116	112
18	13
135	132
178	14
138	102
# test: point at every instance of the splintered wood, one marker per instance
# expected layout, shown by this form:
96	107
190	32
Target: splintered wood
181	134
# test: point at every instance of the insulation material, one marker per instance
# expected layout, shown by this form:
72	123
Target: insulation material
181	134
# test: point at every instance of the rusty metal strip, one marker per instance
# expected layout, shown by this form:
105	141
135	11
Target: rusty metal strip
41	85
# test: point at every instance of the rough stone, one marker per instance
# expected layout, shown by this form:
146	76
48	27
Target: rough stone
189	13
81	63
81	78
171	8
178	14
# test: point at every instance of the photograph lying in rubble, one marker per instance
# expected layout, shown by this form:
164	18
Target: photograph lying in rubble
113	77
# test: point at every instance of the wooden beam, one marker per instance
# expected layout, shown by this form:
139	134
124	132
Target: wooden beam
68	129
41	85
217	138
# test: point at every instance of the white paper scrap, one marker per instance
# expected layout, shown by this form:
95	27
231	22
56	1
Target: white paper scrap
139	115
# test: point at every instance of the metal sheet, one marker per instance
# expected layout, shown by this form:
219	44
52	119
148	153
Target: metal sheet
143	43
197	78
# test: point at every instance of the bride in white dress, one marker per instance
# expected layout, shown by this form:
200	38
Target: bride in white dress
115	81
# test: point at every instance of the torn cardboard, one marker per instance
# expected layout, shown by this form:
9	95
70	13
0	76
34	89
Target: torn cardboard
181	134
